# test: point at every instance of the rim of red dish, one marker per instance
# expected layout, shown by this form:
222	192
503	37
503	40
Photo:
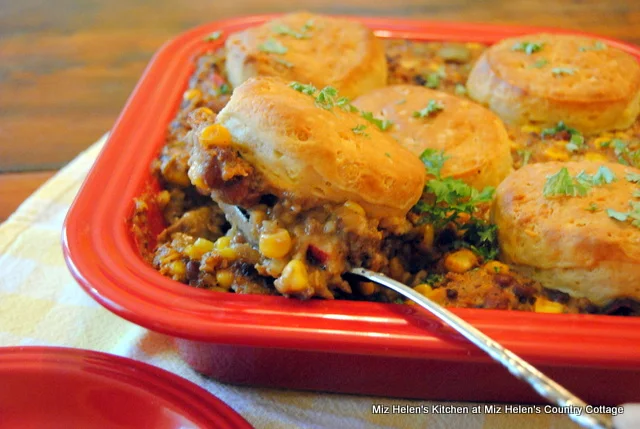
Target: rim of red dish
192	401
102	256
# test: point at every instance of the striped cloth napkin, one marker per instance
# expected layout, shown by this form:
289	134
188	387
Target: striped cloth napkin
40	304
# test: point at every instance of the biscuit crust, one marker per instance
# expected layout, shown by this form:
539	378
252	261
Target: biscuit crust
308	48
319	154
474	139
586	83
570	243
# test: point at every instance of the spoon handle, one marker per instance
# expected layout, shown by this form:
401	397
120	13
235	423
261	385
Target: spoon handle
520	368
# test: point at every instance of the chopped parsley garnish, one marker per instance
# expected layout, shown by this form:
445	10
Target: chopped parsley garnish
383	124
432	107
285	63
387	154
460	89
213	36
305	89
432	80
603	176
593	207
527	47
576	140
288	31
539	64
633	214
562	183
559	71
526	155
598	46
224	89
326	97
625	155
359	129
633	177
273	46
451	197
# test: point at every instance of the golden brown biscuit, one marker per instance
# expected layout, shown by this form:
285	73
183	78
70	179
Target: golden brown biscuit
307	48
473	138
318	154
547	78
571	243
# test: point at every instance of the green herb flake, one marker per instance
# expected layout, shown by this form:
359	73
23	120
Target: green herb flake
432	107
460	89
432	80
633	177
287	64
527	47
213	36
401	101
603	176
359	129
433	160
285	30
273	46
593	207
597	46
382	124
614	214
562	183
387	154
636	193
224	89
305	89
576	140
525	155
326	96
561	71
538	64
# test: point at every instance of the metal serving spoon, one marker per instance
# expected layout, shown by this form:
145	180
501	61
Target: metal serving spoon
545	386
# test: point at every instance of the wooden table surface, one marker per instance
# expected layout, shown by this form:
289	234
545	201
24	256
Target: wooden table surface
68	66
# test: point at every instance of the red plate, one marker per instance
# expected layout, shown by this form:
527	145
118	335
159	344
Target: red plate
356	347
51	387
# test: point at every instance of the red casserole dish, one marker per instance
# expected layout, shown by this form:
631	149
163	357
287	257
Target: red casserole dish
339	346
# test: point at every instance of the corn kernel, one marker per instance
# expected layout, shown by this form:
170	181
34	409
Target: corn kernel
228	253
191	94
224	278
428	236
204	110
493	267
198	248
223	242
178	269
355	207
556	154
598	142
295	277
214	135
276	244
460	261
530	129
423	289
163	198
595	156
543	305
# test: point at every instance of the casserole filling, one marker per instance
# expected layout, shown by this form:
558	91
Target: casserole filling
448	260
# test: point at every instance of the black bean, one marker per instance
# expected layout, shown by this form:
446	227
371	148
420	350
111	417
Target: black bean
193	270
502	280
452	293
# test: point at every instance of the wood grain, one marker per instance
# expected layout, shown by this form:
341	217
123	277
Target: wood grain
68	66
16	187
